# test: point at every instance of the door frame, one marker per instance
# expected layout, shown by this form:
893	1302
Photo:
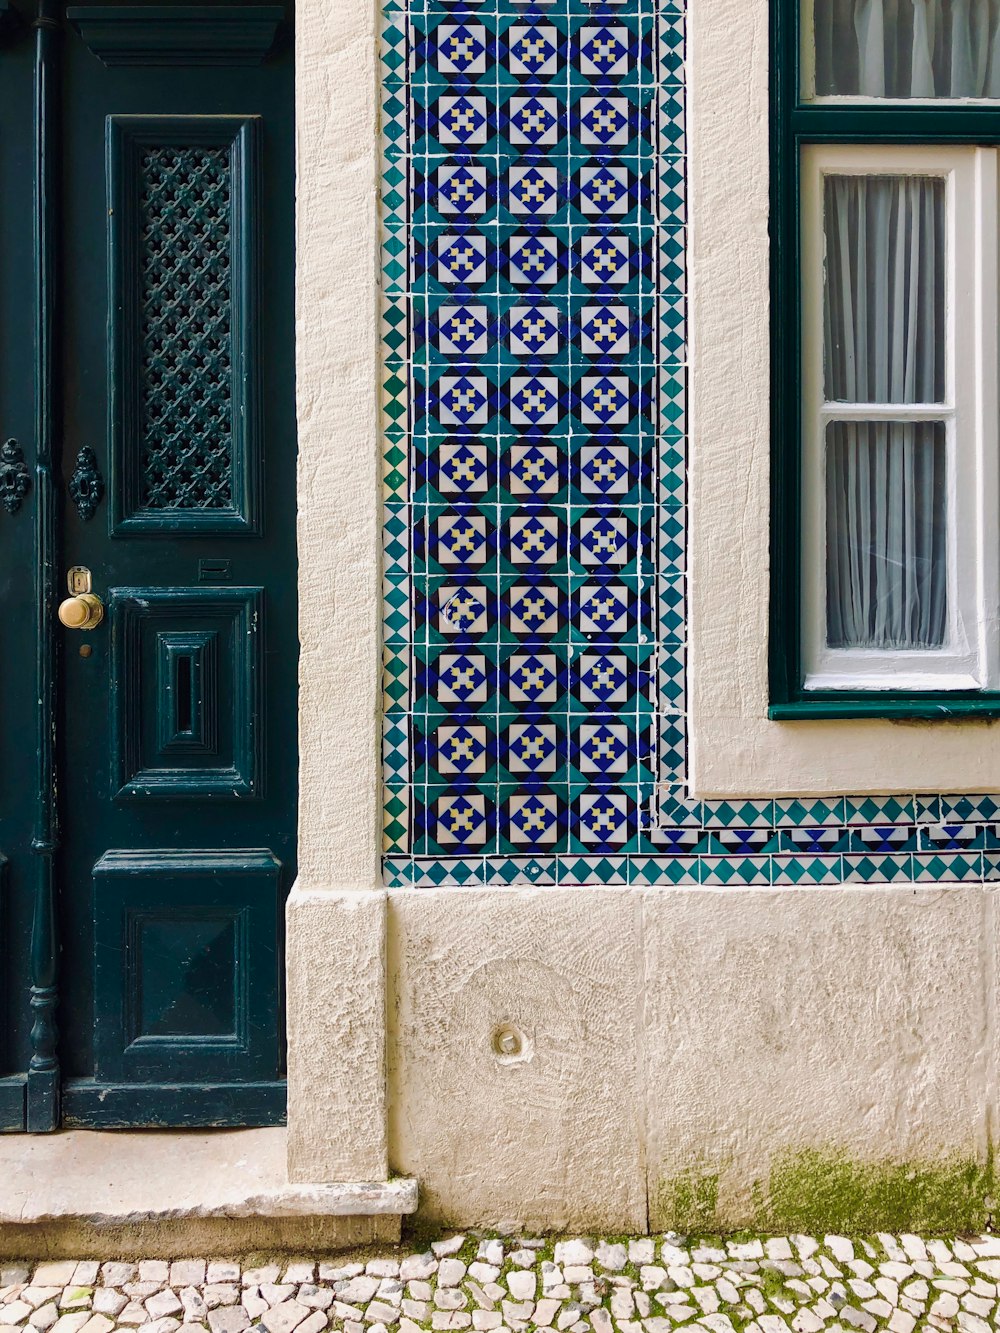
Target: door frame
337	1126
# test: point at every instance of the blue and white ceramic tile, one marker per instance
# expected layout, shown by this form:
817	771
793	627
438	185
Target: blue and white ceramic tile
533	326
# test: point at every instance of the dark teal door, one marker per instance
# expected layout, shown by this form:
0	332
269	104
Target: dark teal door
147	738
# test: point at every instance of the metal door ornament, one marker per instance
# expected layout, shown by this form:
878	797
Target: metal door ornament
86	485
15	480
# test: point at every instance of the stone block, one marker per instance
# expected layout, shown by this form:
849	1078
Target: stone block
336	1036
779	1025
513	1055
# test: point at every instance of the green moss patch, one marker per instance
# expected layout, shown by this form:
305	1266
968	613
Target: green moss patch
816	1191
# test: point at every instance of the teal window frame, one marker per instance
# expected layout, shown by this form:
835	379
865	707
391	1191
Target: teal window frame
795	124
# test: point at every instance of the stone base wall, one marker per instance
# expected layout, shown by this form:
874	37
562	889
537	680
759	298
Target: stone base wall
629	1059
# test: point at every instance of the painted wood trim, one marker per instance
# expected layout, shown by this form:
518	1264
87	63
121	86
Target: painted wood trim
12	1089
129	860
11	23
960	663
43	1070
178	34
13	1104
91	1105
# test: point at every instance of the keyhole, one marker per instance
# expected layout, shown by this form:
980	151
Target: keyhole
183	695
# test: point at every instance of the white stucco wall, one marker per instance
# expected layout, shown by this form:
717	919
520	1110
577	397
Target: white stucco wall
337	386
733	749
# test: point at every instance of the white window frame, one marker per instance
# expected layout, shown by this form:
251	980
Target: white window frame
736	750
970	659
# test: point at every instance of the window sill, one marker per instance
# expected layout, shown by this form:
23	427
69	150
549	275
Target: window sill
822	704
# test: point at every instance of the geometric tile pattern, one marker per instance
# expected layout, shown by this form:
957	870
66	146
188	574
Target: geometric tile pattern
534	470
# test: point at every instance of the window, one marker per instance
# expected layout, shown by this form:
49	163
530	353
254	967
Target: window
886	541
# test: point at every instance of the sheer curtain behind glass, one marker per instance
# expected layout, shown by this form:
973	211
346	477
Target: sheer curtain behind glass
907	48
884	322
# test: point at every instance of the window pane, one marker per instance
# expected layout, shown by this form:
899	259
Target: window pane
907	48
885	289
886	543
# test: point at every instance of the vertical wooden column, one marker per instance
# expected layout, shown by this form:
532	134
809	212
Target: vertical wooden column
43	1071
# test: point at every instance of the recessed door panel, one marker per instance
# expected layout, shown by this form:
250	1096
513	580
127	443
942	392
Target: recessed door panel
187	692
186	982
188	700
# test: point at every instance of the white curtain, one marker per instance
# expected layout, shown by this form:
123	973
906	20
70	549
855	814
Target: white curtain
884	333
885	289
908	48
886	535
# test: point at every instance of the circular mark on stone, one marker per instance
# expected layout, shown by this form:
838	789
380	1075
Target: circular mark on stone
511	1045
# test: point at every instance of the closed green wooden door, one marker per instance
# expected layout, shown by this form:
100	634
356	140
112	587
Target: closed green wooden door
147	762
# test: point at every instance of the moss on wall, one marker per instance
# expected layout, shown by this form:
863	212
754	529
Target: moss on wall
689	1202
816	1191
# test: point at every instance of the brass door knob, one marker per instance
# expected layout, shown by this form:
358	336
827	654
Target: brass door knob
85	611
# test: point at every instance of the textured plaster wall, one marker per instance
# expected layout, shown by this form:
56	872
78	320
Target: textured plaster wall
734	749
550	1135
856	1022
336	1036
337	377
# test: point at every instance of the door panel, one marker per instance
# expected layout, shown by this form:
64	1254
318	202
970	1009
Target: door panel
188	705
175	458
185	423
197	997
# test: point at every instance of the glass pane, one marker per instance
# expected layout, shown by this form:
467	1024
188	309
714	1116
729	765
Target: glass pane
885	320
886	535
907	48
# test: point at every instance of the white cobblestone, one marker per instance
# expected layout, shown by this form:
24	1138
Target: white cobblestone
228	1319
477	1284
451	1245
98	1323
162	1304
284	1317
154	1270
218	1273
71	1323
58	1274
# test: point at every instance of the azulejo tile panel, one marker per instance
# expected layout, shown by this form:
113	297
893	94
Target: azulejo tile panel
534	223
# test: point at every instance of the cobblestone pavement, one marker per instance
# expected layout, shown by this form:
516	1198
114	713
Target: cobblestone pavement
650	1285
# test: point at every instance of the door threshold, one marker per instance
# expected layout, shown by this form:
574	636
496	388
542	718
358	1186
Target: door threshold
166	1194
